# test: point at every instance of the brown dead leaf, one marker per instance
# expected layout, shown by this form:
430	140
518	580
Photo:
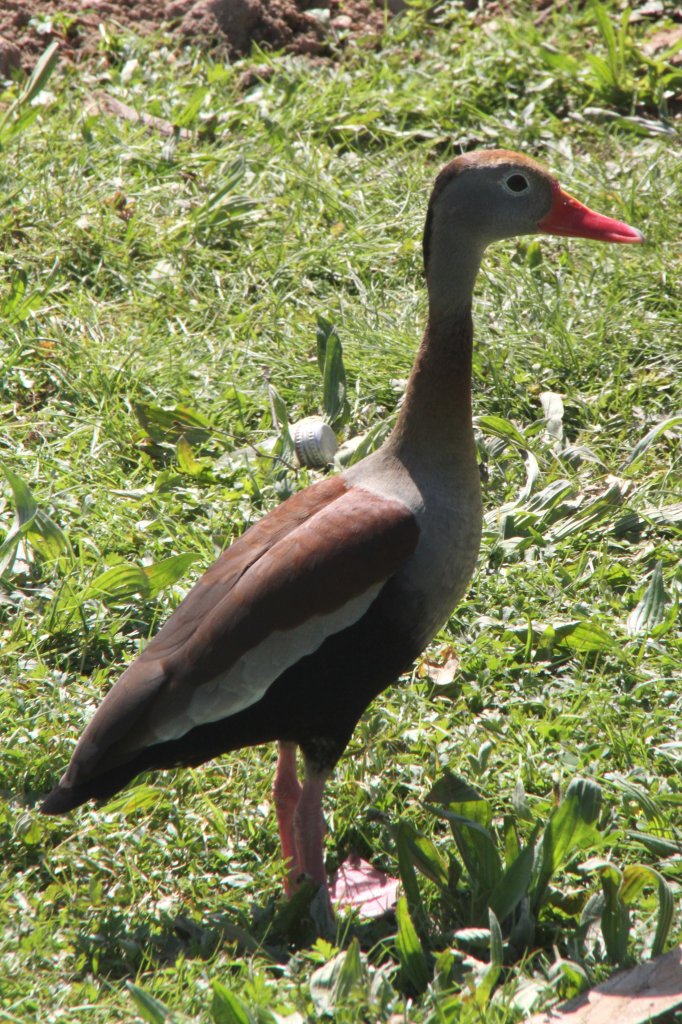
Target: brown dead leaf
441	672
631	997
664	40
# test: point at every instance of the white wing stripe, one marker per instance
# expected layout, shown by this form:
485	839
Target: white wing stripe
248	679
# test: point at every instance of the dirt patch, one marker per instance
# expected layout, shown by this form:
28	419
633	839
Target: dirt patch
223	27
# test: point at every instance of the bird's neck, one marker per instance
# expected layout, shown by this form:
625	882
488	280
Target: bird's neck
435	420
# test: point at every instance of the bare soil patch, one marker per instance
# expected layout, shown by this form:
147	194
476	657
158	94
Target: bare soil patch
224	27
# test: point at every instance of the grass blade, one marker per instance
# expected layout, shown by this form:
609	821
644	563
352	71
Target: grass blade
649	438
37	81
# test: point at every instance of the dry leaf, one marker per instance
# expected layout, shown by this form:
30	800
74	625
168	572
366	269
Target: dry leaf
631	997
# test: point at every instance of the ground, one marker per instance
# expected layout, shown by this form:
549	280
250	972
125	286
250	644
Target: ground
226	27
162	299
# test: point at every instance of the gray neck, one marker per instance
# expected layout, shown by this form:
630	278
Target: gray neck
450	278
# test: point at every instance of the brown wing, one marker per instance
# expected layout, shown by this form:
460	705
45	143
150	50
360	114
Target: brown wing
310	569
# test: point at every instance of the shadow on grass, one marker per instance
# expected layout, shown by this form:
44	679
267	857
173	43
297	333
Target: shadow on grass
119	948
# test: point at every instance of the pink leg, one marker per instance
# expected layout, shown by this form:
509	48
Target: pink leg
309	827
286	792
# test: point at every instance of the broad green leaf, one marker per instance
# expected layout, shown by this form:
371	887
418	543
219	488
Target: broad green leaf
119	583
168	571
657	845
496	944
169	425
601	68
615	920
559	60
478	851
330	361
226	1008
424	854
457	795
550	496
404	833
512	847
333	984
322	983
514	883
41	73
635	878
500	427
627	886
642	797
650	612
411	955
278	410
666	909
469	816
46	538
35	526
284	447
324	329
187	461
491	974
520	803
19	303
572	973
368	443
299	915
16	119
27	829
609	36
584	636
569	829
223	207
334	396
150	1009
592	512
25	504
532	474
352	974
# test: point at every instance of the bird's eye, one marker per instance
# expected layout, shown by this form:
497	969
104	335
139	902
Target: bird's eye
516	183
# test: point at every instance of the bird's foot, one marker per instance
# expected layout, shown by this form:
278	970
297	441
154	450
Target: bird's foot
367	890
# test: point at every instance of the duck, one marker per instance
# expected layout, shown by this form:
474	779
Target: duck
326	601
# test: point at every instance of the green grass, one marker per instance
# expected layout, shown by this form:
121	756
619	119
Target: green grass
132	283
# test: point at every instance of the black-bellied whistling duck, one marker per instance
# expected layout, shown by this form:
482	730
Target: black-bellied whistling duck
324	602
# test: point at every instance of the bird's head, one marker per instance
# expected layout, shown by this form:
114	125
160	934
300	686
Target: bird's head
488	195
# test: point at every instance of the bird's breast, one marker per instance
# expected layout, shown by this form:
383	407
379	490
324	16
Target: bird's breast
447	507
437	574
